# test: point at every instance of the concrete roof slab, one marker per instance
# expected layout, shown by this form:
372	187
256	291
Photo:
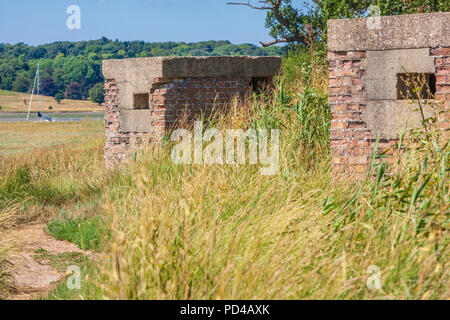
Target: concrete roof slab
183	67
424	30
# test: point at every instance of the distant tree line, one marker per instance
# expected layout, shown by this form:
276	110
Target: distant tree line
73	69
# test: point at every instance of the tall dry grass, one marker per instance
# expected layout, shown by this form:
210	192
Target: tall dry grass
49	178
226	232
45	181
8	213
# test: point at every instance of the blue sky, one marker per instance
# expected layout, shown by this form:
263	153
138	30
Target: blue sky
42	21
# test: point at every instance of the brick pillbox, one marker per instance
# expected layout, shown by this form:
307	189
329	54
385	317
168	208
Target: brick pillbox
368	58
147	97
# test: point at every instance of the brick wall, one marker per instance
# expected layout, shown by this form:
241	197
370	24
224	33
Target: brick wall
365	61
171	100
119	145
352	142
442	63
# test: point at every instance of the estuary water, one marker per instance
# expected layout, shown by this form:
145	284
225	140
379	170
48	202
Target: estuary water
56	116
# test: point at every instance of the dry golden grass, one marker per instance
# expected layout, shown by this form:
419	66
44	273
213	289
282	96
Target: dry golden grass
8	212
48	169
11	101
226	232
51	167
6	286
21	137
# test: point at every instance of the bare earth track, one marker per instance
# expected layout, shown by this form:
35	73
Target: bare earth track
33	278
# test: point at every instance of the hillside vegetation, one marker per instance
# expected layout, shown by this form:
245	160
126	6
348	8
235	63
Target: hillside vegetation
171	231
70	69
11	101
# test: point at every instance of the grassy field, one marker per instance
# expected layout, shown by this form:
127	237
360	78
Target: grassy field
171	231
64	178
11	101
19	137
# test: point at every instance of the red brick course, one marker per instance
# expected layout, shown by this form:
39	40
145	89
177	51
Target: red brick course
119	145
351	142
171	100
442	63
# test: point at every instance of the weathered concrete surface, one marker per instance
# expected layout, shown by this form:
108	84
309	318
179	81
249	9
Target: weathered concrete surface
389	118
135	120
382	68
184	67
384	113
133	76
427	30
205	67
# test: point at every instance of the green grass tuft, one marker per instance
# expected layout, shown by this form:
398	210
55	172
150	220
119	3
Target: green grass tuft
87	234
60	261
89	289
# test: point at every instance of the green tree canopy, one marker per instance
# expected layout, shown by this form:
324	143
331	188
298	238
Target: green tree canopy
21	84
288	24
97	93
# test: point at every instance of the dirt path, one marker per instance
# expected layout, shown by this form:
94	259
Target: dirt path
32	278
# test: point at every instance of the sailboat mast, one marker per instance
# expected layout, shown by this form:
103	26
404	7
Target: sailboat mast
32	93
38	83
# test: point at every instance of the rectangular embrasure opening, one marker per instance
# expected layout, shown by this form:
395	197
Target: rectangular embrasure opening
416	86
259	85
141	101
